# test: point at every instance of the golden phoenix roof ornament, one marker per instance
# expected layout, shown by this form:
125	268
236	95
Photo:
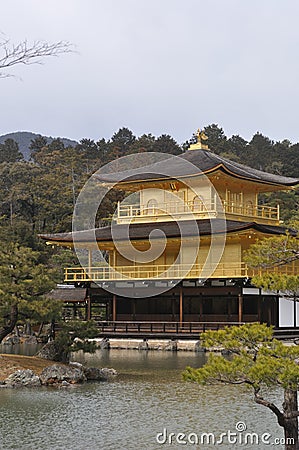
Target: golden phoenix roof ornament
200	137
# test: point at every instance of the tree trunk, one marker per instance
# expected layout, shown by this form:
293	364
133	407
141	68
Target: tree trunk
40	329
6	329
52	331
288	419
290	406
28	329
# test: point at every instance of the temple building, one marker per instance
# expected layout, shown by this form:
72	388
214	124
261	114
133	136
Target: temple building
175	248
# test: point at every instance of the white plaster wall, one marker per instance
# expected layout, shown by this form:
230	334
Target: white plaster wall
286	313
186	194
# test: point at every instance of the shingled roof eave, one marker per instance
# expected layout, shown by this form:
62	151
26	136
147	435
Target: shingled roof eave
68	238
122	182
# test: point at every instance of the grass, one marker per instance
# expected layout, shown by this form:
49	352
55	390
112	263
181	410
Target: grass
11	363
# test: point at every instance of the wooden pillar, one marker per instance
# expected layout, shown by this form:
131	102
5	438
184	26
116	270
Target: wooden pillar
200	308
240	297
181	306
173	309
229	309
108	311
133	303
88	308
295	314
259	308
114	308
269	310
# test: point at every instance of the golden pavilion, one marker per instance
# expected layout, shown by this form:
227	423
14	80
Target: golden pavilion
201	212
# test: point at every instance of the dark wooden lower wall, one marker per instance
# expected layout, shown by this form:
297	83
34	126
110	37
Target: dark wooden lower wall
187	305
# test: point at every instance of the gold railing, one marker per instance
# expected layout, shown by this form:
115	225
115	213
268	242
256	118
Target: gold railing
139	212
164	272
259	211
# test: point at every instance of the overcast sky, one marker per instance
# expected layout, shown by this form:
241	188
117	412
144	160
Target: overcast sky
155	66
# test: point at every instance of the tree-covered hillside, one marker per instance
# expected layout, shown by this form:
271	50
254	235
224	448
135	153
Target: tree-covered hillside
24	138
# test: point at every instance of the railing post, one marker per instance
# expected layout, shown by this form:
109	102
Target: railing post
89	262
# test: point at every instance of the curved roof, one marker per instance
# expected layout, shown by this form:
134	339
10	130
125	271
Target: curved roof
171	229
202	161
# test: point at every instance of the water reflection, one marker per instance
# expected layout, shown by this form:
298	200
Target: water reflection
148	396
20	349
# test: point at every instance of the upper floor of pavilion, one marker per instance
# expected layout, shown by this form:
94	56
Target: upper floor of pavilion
198	184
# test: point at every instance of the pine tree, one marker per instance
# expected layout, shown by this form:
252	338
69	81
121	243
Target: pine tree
258	361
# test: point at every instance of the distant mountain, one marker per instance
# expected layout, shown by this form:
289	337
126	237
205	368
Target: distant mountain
23	138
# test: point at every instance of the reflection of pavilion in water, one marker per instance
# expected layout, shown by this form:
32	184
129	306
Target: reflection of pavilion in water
222	198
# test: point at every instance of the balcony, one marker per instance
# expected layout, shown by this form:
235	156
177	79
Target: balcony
187	210
164	272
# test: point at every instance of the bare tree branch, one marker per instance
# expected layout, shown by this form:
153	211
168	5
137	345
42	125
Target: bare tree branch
273	251
292	415
26	53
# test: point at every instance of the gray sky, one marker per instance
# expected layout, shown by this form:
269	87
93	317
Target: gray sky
155	66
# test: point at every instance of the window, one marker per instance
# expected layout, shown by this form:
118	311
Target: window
198	204
152	206
249	208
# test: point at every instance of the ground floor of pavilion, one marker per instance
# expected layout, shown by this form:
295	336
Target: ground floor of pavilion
186	306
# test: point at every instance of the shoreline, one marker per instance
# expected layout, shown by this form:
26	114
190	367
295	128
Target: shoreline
148	344
10	363
31	371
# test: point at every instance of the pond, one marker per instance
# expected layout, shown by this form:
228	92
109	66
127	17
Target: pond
138	410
